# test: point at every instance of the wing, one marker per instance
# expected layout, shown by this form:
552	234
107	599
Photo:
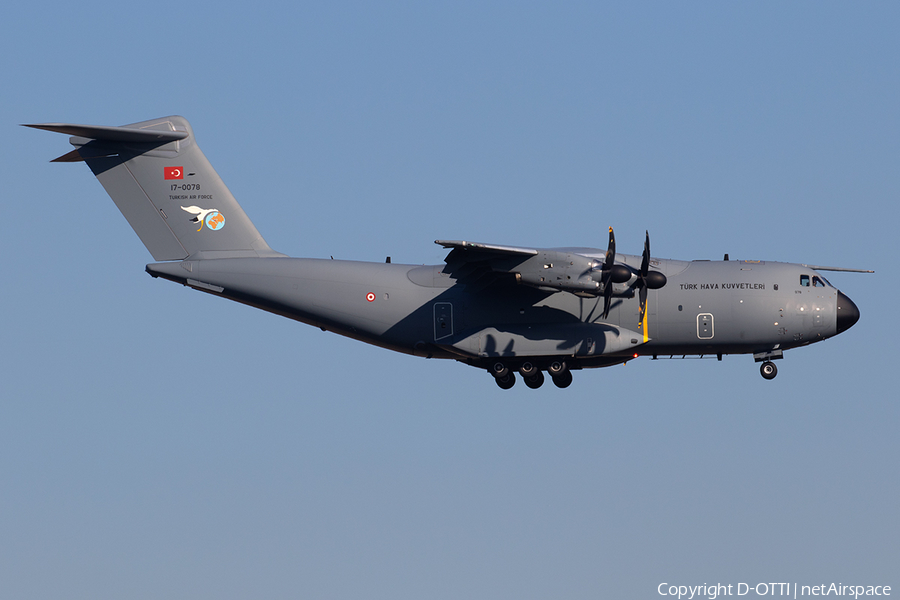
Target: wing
479	265
486	248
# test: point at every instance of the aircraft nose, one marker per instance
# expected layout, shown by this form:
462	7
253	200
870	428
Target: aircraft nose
847	313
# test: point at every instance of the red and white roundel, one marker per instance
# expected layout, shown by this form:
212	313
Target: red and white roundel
370	297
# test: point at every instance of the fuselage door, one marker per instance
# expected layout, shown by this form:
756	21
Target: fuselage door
443	320
705	329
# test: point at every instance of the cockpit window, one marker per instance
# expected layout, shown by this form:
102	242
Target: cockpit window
804	280
818	282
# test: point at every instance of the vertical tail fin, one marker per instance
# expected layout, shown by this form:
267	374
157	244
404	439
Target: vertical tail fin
166	189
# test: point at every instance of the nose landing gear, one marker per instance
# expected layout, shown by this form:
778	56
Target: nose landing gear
768	369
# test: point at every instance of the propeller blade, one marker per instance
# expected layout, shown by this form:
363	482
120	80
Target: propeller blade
610	251
606	277
645	260
607	298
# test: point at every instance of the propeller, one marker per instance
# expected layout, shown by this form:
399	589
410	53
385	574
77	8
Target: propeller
612	273
647	279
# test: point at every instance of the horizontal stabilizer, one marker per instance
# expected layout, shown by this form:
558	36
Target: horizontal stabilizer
113	134
73	156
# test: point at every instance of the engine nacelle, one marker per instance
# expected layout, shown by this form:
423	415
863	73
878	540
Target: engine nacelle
560	271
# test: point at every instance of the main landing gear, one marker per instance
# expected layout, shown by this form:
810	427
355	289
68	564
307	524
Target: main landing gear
768	370
531	374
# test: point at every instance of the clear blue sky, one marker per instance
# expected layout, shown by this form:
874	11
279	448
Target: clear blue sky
160	443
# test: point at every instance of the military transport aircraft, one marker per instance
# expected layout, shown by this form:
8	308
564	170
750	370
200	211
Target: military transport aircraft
504	309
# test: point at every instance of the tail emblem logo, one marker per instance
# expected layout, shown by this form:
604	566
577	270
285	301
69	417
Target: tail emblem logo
211	217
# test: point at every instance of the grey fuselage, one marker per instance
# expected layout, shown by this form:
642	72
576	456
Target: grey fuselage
706	307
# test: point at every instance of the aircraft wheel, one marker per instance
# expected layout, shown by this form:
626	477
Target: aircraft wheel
528	369
563	380
498	370
535	381
557	368
507	381
768	370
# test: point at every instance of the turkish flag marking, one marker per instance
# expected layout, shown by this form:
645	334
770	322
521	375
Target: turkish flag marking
173	172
